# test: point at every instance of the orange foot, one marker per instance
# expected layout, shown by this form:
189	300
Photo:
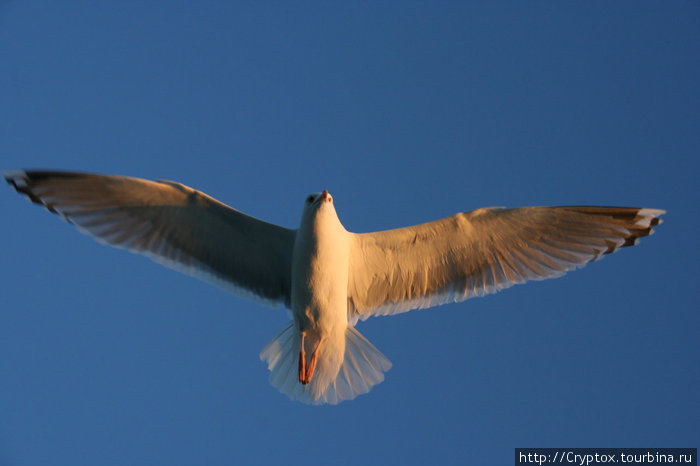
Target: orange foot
302	361
307	373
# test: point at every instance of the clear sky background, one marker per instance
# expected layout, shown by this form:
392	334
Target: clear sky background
406	112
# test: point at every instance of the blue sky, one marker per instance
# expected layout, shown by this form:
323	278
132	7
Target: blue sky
406	112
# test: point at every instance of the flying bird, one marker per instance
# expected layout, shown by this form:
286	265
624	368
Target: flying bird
327	276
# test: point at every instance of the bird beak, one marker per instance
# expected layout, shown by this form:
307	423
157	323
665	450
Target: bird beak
324	195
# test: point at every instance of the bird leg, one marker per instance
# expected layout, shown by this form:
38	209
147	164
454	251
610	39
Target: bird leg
312	364
307	373
302	360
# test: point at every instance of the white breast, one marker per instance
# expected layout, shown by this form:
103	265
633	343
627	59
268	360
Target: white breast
320	271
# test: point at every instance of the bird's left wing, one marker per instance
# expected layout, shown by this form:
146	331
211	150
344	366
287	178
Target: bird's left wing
482	251
171	224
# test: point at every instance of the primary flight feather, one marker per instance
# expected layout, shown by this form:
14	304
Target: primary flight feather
328	276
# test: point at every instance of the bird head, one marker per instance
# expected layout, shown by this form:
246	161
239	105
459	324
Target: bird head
318	206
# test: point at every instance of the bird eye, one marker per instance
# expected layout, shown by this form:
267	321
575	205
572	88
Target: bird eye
310	199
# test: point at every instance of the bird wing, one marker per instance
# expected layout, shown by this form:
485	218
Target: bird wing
173	225
482	251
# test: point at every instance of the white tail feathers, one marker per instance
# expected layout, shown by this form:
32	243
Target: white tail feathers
343	370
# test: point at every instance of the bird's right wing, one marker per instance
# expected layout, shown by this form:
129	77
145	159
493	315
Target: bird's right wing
171	224
483	251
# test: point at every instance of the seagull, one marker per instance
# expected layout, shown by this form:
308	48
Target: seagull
327	276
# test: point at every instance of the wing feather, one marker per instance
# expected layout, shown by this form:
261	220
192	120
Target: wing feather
483	251
172	224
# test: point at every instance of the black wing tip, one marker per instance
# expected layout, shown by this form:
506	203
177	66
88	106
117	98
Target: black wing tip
20	181
13	176
636	215
636	222
33	175
656	220
23	182
619	213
